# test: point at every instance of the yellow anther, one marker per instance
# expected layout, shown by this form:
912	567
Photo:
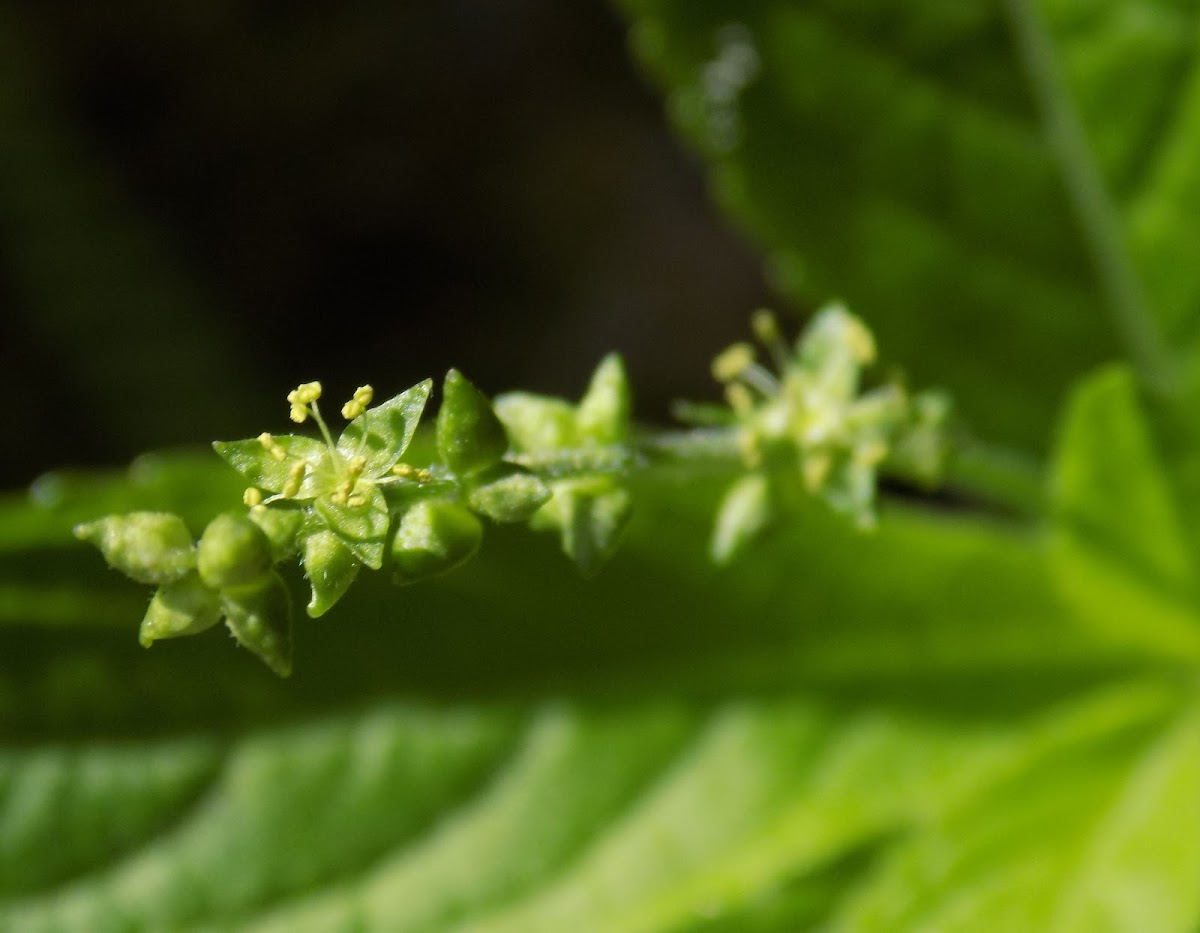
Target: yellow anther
740	399
341	494
252	497
356	500
274	448
871	453
732	362
765	327
300	398
305	394
357	405
357	465
295	478
816	470
860	341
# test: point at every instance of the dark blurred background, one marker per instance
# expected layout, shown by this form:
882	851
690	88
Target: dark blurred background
204	203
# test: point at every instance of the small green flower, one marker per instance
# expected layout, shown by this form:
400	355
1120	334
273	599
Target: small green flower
589	509
326	497
338	484
811	415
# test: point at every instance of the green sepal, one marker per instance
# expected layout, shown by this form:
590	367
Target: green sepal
362	528
537	422
432	537
603	413
381	434
185	607
742	515
507	493
260	618
149	547
330	567
470	437
281	526
593	527
259	467
233	551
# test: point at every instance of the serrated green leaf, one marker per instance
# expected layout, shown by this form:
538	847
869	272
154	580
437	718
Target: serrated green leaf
382	434
261	469
1091	827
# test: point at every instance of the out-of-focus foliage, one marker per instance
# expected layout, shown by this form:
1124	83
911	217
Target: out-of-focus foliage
961	722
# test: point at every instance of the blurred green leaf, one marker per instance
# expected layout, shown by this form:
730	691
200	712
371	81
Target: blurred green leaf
980	181
1119	548
686	745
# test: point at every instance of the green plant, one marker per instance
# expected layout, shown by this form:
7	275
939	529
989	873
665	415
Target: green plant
341	506
982	715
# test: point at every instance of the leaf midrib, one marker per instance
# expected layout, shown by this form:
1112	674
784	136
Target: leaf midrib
1096	215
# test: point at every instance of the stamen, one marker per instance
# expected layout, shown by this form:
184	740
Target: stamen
274	448
252	497
732	362
761	378
300	398
358	404
766	329
294	480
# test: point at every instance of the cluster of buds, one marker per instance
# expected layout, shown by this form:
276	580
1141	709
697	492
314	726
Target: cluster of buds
338	506
226	575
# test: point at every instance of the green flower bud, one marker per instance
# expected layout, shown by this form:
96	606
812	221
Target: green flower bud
470	437
433	536
593	526
742	515
537	422
331	567
260	617
603	414
233	551
281	527
185	607
149	547
508	493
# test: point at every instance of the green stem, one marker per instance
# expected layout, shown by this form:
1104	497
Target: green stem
1089	196
997	477
992	476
